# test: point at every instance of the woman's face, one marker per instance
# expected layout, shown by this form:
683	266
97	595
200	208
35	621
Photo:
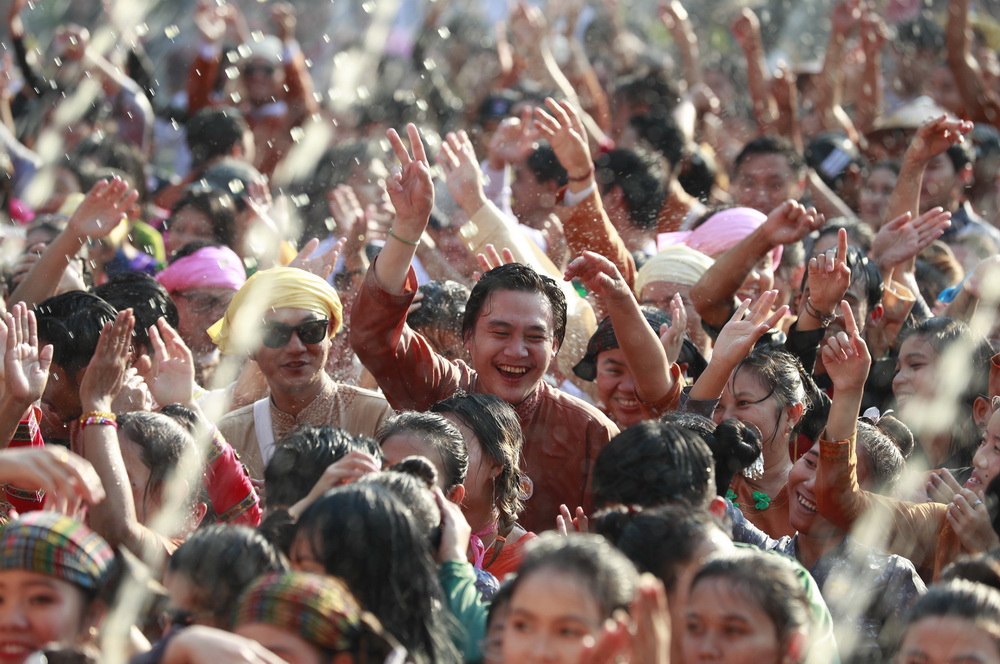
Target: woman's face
723	626
746	398
146	505
187	225
290	647
482	473
916	372
302	556
947	640
616	388
552	614
802	513
874	198
35	611
406	444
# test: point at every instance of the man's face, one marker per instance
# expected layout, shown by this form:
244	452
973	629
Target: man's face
765	181
616	388
62	394
513	343
295	367
941	186
263	81
197	310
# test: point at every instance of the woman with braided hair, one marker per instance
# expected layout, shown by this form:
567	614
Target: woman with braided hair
495	488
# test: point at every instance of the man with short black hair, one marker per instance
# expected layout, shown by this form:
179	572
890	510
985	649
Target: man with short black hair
767	172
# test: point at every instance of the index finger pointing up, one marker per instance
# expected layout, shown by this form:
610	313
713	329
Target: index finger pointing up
842	246
850	325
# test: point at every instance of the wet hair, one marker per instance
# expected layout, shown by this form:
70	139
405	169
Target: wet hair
771	145
767	580
162	442
147	298
72	322
858	232
735	445
516	277
965	600
363	534
544	165
301	458
941	334
660	540
783	374
214	131
604	571
100	151
654	463
221	561
214	203
981	568
883	443
961	155
443	307
641	179
497	428
412	480
439	433
663	134
651	91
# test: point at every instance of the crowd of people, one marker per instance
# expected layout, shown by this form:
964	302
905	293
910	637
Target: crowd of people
592	338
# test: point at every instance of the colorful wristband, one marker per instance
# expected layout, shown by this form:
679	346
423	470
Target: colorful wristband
98	417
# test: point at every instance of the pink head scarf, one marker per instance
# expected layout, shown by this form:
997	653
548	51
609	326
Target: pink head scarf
209	267
722	231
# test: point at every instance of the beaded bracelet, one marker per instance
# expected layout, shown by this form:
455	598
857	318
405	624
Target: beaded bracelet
98	417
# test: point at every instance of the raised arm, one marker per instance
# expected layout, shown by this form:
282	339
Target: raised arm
25	369
714	294
105	205
981	103
870	95
844	20
746	30
655	379
115	517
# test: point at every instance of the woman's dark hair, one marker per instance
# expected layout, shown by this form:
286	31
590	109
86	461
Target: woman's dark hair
147	298
221	562
769	581
942	334
601	568
735	445
883	456
301	458
412	481
216	204
961	599
435	430
516	277
661	539
363	534
653	463
162	442
498	430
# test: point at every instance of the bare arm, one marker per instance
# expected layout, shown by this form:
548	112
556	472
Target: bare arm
746	30
869	102
843	21
981	104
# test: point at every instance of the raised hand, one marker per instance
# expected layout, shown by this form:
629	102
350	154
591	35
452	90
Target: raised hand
746	29
319	264
210	22
462	173
105	375
529	27
352	466
790	222
283	18
934	137
846	356
874	33
491	259
845	17
513	141
103	208
642	635
562	126
672	336
576	522
903	238
410	188
829	277
26	368
169	371
942	486
66	478
599	276
747	325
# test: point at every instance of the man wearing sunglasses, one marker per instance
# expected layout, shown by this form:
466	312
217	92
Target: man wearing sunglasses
284	319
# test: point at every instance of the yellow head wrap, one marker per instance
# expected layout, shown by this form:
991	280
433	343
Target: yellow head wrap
679	264
280	287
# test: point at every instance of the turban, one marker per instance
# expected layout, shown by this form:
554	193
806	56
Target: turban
678	264
722	231
209	267
280	287
55	545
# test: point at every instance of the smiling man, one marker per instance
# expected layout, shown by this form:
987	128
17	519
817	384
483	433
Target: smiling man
284	318
514	323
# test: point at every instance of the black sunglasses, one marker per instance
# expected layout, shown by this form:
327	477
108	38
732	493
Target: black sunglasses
277	335
267	70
